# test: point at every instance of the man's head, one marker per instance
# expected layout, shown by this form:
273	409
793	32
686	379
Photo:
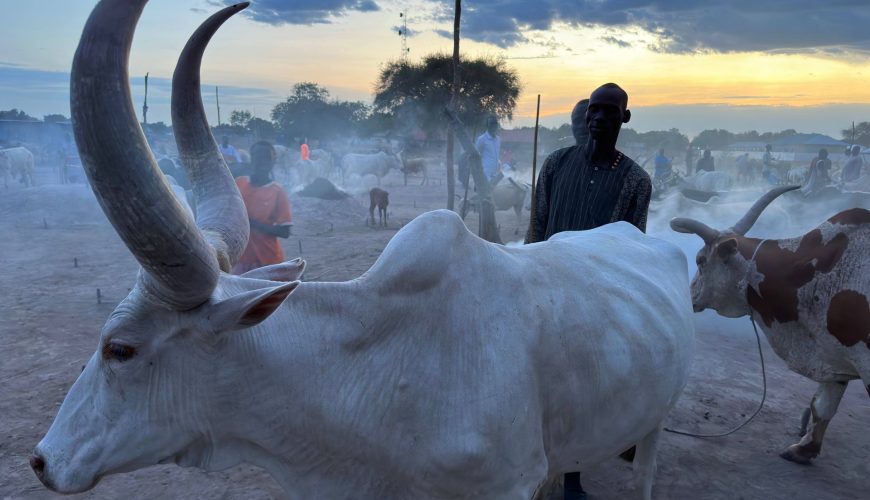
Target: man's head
856	150
578	122
707	153
225	140
608	110
661	151
823	153
492	125
768	147
262	158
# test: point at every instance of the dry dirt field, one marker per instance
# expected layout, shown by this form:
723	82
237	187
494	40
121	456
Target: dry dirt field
57	250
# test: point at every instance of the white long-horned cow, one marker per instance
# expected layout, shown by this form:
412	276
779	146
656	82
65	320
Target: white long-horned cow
16	162
403	383
809	295
378	164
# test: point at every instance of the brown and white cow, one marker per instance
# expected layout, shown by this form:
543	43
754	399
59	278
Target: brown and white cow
808	294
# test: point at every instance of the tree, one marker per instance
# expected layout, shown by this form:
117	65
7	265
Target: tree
157	128
309	112
488	86
14	114
262	129
240	118
54	118
861	134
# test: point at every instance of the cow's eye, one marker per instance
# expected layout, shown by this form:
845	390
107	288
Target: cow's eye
701	260
118	352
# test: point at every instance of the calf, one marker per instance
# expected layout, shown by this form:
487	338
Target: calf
809	295
379	198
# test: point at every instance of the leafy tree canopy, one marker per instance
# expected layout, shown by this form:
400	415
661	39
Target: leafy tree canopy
310	113
416	92
861	134
14	114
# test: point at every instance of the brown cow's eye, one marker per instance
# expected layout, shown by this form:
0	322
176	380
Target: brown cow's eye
118	352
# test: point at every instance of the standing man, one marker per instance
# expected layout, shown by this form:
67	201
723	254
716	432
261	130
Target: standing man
589	185
663	165
268	209
690	159
854	164
488	146
768	165
705	164
304	152
229	151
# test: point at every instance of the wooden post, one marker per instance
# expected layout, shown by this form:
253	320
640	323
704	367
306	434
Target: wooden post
217	101
535	161
454	95
145	103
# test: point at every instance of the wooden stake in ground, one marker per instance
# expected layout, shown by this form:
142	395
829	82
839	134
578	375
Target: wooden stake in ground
454	95
535	162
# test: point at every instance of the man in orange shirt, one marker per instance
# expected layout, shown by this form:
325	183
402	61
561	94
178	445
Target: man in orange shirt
304	152
268	211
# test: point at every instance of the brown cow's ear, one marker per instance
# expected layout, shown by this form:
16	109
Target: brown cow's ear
726	248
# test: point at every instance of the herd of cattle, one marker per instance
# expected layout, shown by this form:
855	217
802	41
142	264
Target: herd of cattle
408	382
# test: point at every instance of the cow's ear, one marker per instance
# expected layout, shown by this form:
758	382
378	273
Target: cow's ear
248	308
726	248
287	271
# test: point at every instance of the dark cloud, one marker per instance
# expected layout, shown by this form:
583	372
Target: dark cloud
616	41
279	12
834	27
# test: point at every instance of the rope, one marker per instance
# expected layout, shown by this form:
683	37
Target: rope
763	379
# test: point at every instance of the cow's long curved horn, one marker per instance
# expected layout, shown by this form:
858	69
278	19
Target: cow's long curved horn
746	223
180	266
221	213
684	225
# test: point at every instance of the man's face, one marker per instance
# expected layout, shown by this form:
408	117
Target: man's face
492	128
606	114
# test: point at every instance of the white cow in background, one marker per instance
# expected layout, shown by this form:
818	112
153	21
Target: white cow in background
411	381
377	164
17	162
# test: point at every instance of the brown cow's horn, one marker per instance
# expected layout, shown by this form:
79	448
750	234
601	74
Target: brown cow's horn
221	213
745	224
180	266
684	225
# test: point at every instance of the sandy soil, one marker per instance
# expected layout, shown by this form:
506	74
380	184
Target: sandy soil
58	250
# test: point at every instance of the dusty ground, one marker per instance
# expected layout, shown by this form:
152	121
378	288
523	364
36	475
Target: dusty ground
58	250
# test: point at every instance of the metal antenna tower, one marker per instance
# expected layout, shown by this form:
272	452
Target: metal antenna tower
403	33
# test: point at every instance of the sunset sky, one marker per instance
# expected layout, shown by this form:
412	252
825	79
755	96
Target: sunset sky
762	64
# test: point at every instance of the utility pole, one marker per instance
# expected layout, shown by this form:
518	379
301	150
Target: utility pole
217	101
145	104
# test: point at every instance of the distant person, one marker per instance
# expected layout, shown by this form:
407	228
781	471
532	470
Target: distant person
705	163
488	146
819	174
690	159
854	165
662	165
268	211
589	185
743	168
768	166
231	155
578	123
304	152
